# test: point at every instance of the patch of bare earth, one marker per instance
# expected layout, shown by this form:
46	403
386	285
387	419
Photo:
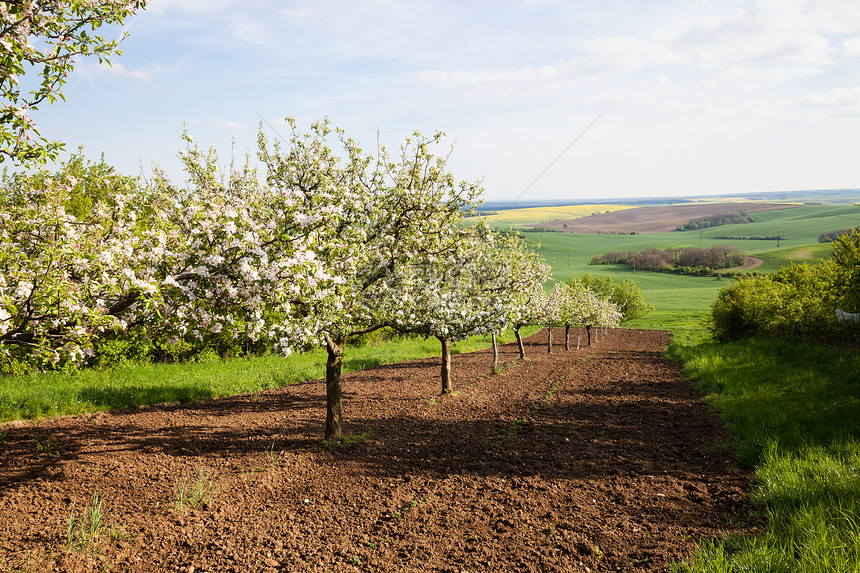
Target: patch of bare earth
655	219
749	263
599	459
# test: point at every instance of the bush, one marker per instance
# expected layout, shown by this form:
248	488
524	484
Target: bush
798	301
833	235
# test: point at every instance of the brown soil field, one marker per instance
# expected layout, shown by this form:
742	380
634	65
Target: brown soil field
654	219
598	459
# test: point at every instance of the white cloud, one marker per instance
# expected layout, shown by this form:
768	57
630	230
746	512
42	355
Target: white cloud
768	35
844	98
624	56
770	75
226	123
851	48
768	41
91	70
602	58
703	110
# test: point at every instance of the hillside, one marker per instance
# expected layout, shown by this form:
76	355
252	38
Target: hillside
654	219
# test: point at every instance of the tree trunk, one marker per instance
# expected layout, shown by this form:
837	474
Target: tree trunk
588	331
495	353
520	344
578	338
446	365
549	340
567	338
334	412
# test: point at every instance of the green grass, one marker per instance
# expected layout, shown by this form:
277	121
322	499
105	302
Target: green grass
55	394
83	529
794	411
775	259
194	491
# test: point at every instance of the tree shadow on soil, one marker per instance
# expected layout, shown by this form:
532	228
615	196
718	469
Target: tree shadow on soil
571	438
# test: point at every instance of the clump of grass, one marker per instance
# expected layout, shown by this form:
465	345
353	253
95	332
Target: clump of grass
84	529
46	444
349	440
273	458
194	491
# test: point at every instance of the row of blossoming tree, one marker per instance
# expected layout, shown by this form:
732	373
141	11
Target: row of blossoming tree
328	243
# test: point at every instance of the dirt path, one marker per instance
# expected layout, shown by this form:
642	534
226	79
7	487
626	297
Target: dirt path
601	459
749	263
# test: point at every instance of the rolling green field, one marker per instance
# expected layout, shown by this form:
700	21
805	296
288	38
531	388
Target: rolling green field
801	225
682	301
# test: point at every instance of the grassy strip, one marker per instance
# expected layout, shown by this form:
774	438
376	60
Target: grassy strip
794	410
55	394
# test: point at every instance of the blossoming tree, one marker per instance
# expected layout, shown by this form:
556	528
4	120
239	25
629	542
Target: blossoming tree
44	37
523	273
551	310
586	308
442	296
62	277
217	257
372	217
471	290
568	306
234	254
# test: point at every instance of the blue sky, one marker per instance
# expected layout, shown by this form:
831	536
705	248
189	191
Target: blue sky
700	97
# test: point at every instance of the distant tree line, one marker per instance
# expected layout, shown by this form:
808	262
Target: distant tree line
833	235
682	260
753	238
538	230
715	221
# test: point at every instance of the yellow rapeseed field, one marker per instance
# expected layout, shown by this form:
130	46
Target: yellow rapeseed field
531	215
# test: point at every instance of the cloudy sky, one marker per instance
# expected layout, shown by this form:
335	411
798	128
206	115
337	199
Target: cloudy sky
542	99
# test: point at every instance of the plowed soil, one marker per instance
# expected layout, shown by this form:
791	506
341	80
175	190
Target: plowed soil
598	459
655	219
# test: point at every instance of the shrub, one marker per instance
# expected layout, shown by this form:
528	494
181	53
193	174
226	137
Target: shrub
833	235
798	301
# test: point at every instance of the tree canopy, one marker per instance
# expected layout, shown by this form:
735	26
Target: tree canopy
41	40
